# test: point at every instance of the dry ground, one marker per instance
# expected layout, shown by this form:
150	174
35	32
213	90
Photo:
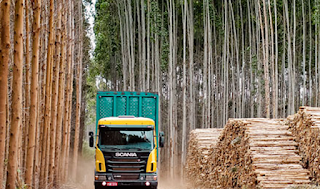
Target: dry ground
86	176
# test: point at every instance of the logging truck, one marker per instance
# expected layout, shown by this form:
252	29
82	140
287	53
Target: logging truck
126	140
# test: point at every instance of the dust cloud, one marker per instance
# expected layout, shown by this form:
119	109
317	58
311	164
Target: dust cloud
86	178
169	183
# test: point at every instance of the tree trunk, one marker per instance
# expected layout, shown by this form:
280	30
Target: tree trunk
66	118
290	62
4	72
24	142
16	96
276	85
266	60
79	97
55	87
143	60
272	62
71	92
132	47
46	145
310	55
148	46
170	89
304	55
61	101
191	66
34	91
293	66
225	63
184	87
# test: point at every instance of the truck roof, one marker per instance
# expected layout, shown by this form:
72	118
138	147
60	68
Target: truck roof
126	120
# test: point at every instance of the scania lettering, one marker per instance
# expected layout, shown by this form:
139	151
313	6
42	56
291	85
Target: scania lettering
126	154
127	140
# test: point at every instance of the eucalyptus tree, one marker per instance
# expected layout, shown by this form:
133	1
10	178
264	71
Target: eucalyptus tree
4	72
16	94
34	93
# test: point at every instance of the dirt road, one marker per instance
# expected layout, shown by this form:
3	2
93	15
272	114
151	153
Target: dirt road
86	176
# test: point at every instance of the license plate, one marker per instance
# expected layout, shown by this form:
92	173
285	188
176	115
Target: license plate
112	184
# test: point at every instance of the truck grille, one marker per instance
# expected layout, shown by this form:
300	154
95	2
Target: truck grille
124	165
126	176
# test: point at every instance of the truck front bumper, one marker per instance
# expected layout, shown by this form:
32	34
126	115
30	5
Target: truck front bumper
99	184
111	182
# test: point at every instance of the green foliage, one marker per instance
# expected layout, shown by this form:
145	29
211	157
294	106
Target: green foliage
155	17
107	51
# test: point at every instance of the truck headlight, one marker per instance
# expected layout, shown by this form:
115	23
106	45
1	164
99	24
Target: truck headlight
101	177
151	177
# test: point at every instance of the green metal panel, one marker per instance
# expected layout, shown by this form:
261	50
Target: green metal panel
134	106
138	104
149	108
104	107
121	106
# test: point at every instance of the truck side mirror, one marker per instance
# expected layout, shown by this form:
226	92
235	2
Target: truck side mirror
91	139
161	139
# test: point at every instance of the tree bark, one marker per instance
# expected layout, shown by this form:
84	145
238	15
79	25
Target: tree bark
34	91
266	60
310	55
276	85
184	8
78	102
143	60
4	72
54	101
16	96
191	65
26	86
67	105
71	92
148	47
46	145
61	101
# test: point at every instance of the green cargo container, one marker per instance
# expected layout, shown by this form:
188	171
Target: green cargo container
138	104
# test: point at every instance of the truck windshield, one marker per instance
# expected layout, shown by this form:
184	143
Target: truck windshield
125	139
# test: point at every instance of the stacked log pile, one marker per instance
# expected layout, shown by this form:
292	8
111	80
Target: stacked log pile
305	126
253	153
200	146
274	154
230	162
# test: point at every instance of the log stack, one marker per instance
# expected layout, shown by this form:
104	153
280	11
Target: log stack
252	153
200	146
274	154
305	126
230	162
